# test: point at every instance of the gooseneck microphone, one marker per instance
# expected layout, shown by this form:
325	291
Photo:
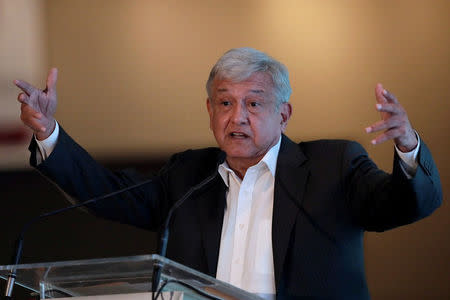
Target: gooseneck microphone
19	242
157	268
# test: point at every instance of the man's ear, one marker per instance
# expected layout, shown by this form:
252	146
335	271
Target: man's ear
210	111
285	112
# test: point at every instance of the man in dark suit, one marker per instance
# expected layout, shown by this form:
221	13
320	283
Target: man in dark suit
279	218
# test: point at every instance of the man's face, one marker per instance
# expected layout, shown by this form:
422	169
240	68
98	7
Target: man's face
244	117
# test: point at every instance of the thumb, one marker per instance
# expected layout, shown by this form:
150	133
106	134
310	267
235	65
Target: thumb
51	81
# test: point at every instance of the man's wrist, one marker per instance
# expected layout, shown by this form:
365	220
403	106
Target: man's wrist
408	160
47	145
410	143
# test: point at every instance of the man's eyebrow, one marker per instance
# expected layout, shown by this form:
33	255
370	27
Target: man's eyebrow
257	91
222	90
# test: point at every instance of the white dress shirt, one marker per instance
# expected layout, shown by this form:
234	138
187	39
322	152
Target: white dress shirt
245	255
46	146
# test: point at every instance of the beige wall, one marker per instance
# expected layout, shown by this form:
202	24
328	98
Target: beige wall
132	77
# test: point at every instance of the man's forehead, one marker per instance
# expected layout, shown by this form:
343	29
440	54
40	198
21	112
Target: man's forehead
256	83
251	90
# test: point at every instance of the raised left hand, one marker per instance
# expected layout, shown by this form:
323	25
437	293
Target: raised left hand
39	106
394	122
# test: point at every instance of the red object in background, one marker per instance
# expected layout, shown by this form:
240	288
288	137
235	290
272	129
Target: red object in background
13	135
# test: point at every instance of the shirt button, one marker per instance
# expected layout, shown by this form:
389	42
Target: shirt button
241	226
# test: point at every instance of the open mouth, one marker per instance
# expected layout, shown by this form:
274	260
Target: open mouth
235	134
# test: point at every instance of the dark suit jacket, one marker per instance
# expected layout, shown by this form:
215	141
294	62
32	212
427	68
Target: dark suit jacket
327	193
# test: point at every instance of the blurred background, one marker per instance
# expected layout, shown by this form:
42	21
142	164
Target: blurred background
131	91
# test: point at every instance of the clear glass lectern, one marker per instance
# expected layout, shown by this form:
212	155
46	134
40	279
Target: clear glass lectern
118	278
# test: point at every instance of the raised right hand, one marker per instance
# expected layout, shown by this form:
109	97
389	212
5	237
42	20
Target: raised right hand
39	106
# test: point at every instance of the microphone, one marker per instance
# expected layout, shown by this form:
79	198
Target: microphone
156	276
19	242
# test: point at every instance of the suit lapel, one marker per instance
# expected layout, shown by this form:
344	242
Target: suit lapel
290	180
211	206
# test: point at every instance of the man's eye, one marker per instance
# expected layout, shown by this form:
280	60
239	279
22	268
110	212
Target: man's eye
254	104
225	103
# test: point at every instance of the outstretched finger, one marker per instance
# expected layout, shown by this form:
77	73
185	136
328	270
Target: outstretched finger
383	125
25	86
389	108
390	97
387	135
51	81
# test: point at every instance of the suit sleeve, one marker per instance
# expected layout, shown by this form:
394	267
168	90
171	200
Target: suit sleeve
73	170
379	201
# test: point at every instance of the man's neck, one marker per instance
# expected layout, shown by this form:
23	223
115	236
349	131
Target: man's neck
240	165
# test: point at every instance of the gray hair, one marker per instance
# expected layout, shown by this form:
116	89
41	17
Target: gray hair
240	63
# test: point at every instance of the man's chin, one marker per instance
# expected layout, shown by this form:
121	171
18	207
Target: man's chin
240	155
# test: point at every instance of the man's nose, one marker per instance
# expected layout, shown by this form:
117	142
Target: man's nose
240	114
